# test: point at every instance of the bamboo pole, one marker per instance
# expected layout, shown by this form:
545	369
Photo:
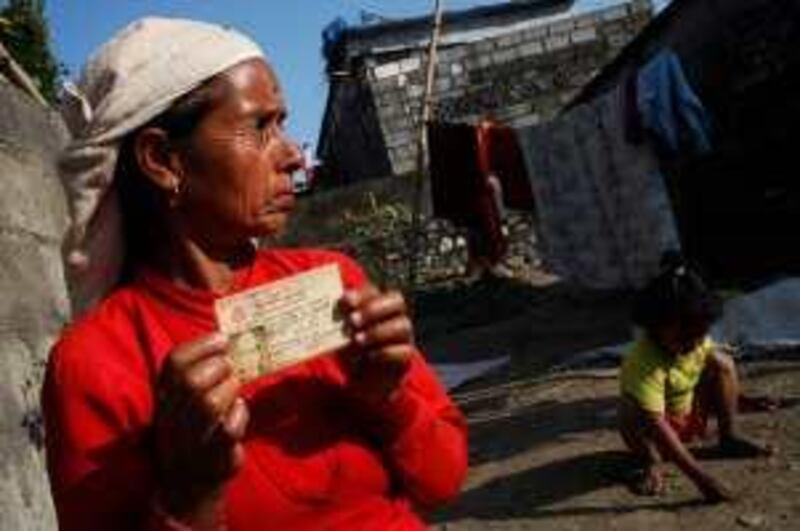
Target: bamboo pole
423	159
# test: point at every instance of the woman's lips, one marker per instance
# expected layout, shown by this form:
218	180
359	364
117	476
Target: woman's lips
280	202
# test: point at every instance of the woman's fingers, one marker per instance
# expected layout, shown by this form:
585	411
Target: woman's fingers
384	337
397	330
200	418
354	298
236	420
183	382
216	403
378	319
378	308
198	387
207	373
196	350
352	301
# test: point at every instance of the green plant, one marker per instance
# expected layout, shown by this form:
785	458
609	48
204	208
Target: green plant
24	32
376	219
376	231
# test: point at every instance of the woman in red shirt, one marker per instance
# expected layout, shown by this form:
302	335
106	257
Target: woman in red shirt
180	138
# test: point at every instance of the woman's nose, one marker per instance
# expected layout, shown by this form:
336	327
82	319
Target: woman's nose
292	156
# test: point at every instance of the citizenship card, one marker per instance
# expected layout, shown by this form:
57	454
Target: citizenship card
283	323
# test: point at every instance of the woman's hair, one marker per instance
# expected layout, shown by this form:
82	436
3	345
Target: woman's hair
676	294
141	201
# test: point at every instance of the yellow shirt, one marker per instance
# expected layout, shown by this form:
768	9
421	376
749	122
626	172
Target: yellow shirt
661	383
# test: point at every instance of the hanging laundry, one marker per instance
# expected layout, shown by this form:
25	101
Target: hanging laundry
500	155
603	211
669	108
462	191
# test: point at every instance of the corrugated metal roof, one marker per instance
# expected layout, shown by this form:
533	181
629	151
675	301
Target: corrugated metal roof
479	17
452	38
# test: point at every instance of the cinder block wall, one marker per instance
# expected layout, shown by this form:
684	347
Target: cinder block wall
522	75
33	300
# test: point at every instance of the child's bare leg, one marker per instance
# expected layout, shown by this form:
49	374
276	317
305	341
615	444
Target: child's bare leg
757	403
635	433
748	403
719	387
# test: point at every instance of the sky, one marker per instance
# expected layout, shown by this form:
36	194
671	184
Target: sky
289	31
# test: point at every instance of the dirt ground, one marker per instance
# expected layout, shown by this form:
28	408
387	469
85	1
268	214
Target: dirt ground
544	451
537	325
545	455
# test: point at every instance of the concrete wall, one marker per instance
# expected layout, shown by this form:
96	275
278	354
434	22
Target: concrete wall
34	306
522	72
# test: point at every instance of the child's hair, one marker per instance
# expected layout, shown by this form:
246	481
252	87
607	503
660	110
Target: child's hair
677	293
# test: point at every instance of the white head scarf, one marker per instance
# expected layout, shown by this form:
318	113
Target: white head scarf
128	81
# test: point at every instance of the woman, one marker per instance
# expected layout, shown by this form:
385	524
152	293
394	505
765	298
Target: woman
674	377
179	147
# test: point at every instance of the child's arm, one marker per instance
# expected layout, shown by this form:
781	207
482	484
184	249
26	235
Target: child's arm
673	449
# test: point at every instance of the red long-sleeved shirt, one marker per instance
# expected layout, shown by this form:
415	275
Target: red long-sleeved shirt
314	459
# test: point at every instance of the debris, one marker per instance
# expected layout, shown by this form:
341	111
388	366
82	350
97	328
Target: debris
751	520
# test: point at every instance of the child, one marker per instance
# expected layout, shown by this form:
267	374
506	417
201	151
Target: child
674	377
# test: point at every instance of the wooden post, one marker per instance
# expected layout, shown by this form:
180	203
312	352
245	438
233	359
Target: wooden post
423	160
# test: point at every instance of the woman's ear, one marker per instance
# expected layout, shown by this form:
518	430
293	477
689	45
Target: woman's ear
157	159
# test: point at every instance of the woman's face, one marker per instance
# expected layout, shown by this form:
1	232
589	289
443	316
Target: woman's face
238	162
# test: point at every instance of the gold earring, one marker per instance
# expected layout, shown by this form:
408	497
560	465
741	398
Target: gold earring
177	189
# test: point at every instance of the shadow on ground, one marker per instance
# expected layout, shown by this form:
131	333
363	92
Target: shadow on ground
521	428
532	493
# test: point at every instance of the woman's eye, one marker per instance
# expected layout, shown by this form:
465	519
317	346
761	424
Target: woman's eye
269	123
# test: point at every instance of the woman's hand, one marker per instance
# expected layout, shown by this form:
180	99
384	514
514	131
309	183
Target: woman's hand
200	421
383	340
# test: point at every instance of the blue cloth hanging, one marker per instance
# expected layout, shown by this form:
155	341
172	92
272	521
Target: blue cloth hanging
668	106
331	35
